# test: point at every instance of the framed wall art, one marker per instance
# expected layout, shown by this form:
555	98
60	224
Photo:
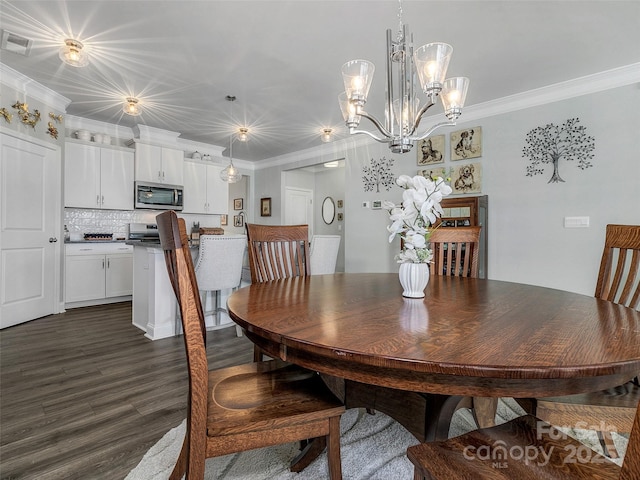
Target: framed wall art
223	220
238	204
433	173
238	221
467	179
265	207
466	143
431	150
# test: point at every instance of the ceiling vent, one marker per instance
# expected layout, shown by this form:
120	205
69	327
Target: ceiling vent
15	43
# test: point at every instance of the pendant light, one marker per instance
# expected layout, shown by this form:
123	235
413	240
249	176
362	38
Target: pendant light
231	173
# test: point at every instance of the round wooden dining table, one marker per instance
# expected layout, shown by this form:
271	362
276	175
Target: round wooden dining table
467	337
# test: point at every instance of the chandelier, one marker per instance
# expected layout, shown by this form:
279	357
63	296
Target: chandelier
402	108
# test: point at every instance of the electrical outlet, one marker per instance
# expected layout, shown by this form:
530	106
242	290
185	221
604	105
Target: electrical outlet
576	222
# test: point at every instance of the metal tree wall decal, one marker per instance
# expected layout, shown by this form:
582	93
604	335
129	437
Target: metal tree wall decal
379	173
550	143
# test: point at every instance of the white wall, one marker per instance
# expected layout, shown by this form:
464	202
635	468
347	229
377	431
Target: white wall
527	240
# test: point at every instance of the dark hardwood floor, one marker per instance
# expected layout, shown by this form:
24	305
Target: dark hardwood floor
83	394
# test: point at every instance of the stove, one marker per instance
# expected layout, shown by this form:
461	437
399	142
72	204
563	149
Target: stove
145	232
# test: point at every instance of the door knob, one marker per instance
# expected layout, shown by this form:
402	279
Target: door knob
53	239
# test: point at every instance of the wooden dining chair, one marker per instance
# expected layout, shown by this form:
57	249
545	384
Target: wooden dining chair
523	448
455	251
248	406
275	252
618	282
278	251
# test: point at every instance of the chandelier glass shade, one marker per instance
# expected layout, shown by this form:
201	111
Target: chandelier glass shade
403	111
231	174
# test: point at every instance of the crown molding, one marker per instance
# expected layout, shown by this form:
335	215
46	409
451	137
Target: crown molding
30	88
617	77
81	123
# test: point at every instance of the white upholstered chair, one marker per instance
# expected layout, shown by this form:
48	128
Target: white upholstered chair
323	254
219	268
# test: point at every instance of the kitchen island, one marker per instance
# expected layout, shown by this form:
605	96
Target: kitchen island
155	309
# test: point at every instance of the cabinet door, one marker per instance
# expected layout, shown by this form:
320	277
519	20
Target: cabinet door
116	175
172	166
84	277
195	188
81	176
217	191
119	275
148	164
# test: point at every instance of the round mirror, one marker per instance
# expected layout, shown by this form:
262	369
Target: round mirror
328	210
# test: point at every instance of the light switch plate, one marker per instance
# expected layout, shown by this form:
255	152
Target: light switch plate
576	222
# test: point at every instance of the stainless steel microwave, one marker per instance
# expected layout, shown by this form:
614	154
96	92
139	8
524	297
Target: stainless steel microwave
158	196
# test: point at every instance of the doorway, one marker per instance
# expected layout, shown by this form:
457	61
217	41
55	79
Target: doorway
298	207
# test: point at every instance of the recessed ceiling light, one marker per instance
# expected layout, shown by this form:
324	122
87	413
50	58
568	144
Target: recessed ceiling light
73	53
131	106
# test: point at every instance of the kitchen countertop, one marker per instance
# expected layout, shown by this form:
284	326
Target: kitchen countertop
95	241
155	243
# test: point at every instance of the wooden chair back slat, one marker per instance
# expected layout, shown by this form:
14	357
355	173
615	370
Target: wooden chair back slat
278	251
455	251
618	279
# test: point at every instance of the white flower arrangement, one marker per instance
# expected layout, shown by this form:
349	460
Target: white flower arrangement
411	220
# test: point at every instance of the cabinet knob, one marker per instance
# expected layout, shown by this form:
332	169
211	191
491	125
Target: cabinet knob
53	239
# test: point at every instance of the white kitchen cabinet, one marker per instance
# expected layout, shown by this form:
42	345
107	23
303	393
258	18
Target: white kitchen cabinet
98	177
96	273
204	190
157	164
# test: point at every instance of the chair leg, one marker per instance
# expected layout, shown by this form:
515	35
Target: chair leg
333	449
257	354
484	411
608	446
311	449
181	464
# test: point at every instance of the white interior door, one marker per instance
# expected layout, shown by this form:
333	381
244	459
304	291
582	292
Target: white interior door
30	186
298	207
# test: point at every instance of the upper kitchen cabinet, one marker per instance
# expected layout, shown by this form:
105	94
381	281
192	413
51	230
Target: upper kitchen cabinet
159	164
204	190
98	177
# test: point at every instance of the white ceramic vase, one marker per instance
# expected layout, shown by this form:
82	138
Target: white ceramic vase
414	278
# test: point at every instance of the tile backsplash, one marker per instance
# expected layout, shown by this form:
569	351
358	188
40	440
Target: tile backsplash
81	220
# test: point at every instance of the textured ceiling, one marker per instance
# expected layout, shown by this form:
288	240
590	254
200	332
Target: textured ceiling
282	59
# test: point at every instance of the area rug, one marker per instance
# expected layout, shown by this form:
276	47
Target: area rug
373	447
